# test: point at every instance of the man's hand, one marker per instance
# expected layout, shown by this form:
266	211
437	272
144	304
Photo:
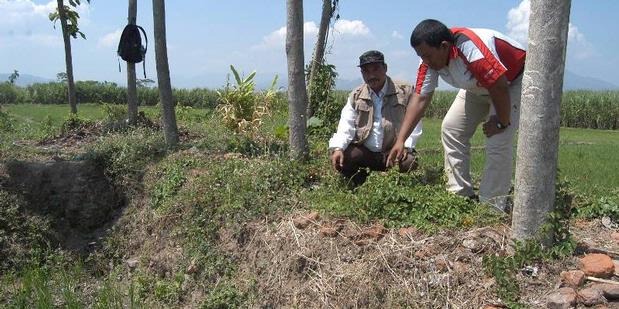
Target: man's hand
397	153
337	159
490	126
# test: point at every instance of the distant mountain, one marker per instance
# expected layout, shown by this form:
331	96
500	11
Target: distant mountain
573	81
25	79
263	80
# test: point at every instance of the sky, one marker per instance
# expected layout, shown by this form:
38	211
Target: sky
205	37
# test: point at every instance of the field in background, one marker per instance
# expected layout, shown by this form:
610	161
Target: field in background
587	157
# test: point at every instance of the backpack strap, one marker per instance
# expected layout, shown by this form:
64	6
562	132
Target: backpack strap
145	49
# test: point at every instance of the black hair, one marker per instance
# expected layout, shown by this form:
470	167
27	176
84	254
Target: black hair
432	32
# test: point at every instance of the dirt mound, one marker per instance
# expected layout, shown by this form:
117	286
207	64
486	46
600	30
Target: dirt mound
303	268
75	195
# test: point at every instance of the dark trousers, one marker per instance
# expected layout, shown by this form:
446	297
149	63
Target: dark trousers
357	158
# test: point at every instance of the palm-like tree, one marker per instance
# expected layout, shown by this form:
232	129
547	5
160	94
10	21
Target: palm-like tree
297	93
163	75
536	165
65	14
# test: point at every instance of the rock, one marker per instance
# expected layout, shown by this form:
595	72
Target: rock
376	232
615	237
441	264
460	268
492	307
362	242
304	221
331	229
572	278
597	265
408	232
132	263
610	291
616	267
473	245
562	299
591	297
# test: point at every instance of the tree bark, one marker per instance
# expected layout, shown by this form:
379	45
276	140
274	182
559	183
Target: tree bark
297	93
67	56
163	75
538	140
319	51
132	94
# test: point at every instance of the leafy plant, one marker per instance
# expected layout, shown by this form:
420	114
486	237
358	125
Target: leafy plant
323	101
114	112
241	107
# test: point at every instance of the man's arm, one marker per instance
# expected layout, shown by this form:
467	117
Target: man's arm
344	135
499	94
414	112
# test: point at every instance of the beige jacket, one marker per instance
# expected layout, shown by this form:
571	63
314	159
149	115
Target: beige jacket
395	101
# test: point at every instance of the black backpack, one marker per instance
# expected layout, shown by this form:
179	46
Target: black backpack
130	47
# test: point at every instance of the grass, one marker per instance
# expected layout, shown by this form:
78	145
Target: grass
585	155
189	196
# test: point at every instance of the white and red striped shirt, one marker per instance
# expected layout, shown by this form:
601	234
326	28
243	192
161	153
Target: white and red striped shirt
477	60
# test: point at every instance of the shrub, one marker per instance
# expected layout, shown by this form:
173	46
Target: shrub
241	108
8	93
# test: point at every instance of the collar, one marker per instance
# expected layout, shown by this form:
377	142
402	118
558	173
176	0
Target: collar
388	89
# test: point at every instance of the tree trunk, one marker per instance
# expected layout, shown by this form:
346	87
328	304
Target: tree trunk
132	94
319	51
297	93
538	140
67	56
163	75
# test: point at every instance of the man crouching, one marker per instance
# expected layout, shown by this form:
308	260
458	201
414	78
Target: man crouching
370	122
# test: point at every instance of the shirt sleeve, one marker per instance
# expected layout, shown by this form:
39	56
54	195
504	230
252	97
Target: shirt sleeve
427	79
411	141
346	127
482	63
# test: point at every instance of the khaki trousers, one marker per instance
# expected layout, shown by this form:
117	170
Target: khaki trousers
464	116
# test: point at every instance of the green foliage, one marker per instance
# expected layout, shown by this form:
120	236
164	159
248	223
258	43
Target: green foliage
73	122
114	112
590	109
605	206
171	179
241	107
125	155
323	101
71	17
169	291
6	122
13	77
402	199
222	296
8	93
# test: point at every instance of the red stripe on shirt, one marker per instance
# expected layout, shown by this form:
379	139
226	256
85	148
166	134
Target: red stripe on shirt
486	70
421	76
511	56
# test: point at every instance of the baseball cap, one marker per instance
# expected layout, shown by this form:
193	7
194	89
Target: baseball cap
371	56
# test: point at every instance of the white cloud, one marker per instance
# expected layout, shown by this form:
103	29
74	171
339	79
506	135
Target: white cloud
277	38
110	40
350	27
518	28
20	11
518	21
397	35
342	27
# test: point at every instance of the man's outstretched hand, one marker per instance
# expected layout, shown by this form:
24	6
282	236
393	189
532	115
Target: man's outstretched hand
337	159
397	154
